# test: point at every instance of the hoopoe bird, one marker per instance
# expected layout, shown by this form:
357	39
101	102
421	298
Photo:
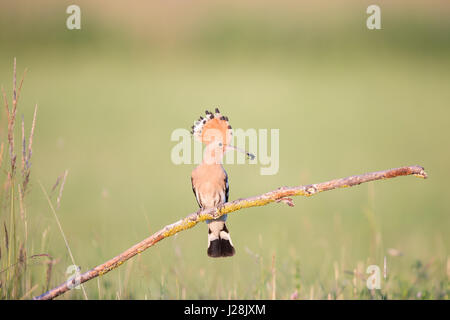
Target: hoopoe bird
210	180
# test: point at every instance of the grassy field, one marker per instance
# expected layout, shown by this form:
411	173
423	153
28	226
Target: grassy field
346	100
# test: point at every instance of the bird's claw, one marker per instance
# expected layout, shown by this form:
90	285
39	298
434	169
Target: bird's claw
219	209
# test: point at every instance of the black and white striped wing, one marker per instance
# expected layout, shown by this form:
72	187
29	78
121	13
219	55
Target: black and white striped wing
196	194
227	188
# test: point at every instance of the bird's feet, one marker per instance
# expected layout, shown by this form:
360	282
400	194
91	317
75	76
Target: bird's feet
219	209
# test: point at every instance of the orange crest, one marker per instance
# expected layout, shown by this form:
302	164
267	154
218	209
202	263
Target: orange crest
212	128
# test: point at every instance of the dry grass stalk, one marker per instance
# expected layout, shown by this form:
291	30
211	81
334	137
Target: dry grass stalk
274	279
15	280
27	152
29	292
60	226
1	154
58	200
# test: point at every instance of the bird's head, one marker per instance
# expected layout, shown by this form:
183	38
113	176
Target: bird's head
215	131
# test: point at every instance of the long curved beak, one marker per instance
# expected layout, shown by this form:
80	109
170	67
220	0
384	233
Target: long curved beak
248	154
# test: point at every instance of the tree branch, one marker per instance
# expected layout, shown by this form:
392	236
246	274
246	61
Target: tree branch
279	195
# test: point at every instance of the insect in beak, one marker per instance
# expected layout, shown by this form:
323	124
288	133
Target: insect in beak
248	154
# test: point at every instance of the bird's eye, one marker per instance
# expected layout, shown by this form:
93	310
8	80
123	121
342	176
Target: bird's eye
220	144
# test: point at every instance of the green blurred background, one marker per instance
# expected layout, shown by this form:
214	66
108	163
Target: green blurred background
347	100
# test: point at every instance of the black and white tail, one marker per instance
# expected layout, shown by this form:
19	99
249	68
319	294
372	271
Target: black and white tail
219	240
